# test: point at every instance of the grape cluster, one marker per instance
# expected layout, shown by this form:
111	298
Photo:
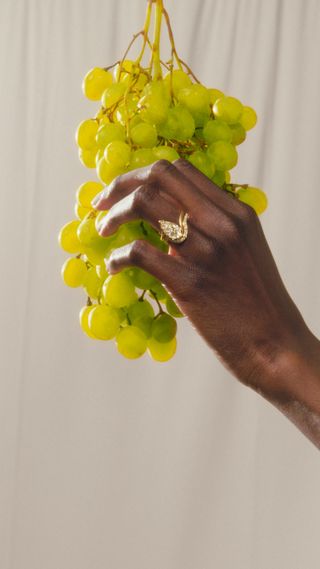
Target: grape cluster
145	116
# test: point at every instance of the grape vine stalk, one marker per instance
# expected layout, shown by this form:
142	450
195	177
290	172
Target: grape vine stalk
150	109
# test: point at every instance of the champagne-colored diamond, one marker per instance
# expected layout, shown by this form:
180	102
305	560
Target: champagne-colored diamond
172	231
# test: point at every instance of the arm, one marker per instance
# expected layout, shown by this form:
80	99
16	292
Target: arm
225	280
297	373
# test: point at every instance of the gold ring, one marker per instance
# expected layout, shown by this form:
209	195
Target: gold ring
173	232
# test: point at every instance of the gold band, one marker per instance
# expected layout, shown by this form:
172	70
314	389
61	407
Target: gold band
172	232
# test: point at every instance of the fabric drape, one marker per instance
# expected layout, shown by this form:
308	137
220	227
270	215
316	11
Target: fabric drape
133	465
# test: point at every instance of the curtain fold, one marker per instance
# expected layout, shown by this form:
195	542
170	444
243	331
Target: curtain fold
133	465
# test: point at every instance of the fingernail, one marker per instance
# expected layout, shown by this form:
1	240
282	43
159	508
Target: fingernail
102	224
98	198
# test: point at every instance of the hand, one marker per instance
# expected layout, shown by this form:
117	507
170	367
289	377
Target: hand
223	277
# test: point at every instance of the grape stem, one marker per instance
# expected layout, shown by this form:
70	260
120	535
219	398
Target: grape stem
155	58
171	37
189	70
157	301
145	32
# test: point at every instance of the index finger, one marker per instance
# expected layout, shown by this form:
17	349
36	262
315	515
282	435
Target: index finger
164	175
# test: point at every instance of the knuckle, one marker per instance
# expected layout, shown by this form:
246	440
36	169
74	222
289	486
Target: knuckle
236	227
138	200
246	214
218	249
232	231
150	192
138	250
197	281
184	164
117	181
159	168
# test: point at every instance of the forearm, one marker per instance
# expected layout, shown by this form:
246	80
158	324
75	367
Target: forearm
292	384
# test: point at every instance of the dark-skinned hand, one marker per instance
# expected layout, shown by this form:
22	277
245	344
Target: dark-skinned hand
223	277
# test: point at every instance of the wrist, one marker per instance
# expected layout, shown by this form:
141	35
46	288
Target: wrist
290	373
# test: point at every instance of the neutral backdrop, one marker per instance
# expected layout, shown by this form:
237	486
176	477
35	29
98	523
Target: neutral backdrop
133	465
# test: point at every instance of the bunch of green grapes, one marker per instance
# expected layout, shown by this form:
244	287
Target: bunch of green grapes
147	112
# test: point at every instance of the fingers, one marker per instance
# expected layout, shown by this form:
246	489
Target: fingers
169	270
147	203
161	174
205	186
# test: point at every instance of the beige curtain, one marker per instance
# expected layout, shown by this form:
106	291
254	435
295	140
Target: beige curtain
133	465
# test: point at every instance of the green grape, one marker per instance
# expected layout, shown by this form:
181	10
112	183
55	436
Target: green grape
74	272
248	118
140	81
84	320
197	100
164	328
126	79
159	291
104	322
165	153
215	94
81	211
219	178
141	279
98	252
123	68
96	82
177	80
131	342
228	109
88	157
143	118
141	157
198	133
179	125
136	119
117	154
112	95
103	119
217	130
86	192
140	309
223	155
154	103
68	238
145	324
254	197
172	308
126	234
201	161
99	156
107	172
92	284
126	110
87	233
144	134
100	114
102	271
162	352
122	312
153	237
119	291
238	134
86	134
108	133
